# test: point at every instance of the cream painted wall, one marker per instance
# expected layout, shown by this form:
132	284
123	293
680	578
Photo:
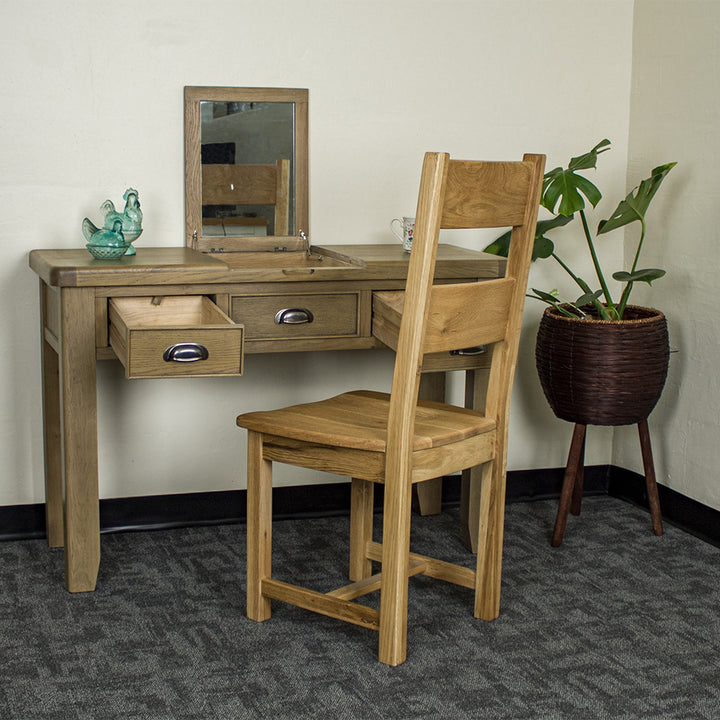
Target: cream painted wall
674	116
92	103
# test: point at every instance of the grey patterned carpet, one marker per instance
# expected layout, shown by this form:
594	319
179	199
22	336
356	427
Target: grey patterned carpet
616	624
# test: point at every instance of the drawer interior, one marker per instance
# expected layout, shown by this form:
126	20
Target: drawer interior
169	311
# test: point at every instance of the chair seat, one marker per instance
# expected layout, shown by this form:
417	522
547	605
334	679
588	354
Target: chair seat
359	419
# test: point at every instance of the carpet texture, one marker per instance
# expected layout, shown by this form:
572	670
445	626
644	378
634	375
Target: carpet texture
615	624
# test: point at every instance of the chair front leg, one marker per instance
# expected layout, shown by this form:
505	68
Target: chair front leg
361	527
259	527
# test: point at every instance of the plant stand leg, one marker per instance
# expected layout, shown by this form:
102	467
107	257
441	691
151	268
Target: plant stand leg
576	503
650	482
573	477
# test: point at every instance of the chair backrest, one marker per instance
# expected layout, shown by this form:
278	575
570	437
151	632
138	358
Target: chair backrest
465	194
250	185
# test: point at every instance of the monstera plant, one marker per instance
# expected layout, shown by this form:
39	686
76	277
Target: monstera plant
565	193
600	360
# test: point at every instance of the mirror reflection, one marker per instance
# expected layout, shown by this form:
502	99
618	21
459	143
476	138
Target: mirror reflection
245	168
247	151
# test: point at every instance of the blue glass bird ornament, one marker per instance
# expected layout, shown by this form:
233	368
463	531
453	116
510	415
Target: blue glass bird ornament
119	228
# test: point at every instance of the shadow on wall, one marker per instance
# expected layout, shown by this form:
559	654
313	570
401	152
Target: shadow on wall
21	409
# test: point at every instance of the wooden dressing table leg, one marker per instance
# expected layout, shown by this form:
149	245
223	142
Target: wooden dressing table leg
52	433
429	493
78	388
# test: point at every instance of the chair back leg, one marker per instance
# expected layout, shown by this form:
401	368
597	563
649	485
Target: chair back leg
395	566
361	527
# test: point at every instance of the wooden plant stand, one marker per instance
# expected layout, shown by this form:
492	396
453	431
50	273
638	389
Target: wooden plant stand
571	494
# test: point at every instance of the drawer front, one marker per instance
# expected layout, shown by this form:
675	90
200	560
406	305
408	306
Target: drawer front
273	317
188	352
183	336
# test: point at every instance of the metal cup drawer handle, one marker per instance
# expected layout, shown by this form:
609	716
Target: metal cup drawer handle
470	351
186	352
293	316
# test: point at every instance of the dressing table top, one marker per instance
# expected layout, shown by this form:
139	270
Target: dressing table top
173	265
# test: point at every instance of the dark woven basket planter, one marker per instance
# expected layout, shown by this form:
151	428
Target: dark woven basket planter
596	372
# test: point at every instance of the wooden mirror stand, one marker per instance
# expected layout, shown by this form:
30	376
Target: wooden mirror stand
246	169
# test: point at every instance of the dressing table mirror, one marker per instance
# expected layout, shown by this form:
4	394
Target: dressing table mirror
246	169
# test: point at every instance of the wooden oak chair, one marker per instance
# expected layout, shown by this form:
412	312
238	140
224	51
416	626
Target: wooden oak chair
397	440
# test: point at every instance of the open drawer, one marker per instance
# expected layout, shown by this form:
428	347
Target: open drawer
174	336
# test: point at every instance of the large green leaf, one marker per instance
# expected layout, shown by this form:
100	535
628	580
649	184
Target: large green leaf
550	298
587	298
564	188
647	275
543	247
589	160
567	309
635	205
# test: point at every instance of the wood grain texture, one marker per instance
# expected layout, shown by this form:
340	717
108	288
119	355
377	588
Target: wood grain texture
142	328
361	527
360	420
239	184
488	194
321	603
330	315
429	494
259	528
154	266
80	448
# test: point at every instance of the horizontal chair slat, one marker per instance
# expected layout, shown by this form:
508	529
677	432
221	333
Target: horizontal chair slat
345	461
490	194
467	314
321	603
254	184
371	584
438	569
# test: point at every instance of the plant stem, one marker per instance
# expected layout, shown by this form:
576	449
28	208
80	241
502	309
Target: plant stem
628	288
584	287
598	271
639	247
624	300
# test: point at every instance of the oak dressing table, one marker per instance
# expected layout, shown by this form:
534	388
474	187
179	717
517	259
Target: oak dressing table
195	311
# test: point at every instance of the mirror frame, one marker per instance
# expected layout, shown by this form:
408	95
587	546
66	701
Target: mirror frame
193	96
